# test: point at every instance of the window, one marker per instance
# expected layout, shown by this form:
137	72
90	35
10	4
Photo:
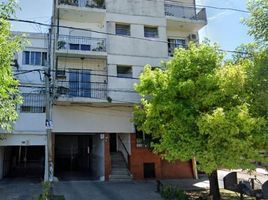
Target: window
122	29
79	83
82	47
142	139
74	46
33	103
85	47
151	32
124	71
32	109
175	43
34	58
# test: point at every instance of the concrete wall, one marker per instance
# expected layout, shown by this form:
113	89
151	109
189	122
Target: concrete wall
136	7
126	141
72	32
23	139
98	156
31	123
82	119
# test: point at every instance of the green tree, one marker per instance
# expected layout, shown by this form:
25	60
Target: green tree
10	44
258	21
197	106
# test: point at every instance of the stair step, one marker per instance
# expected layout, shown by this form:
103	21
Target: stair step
119	170
120	173
120	177
121	164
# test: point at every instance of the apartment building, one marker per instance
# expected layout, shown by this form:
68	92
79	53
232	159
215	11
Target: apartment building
98	49
23	152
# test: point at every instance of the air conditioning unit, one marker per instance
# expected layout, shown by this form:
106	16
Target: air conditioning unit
193	37
60	74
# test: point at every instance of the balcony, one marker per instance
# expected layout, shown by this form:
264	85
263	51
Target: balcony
176	43
81	10
77	46
75	85
33	103
183	17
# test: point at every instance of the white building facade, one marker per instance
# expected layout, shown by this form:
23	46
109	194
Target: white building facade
99	48
23	152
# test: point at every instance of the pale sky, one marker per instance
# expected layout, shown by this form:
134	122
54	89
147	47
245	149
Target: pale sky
224	27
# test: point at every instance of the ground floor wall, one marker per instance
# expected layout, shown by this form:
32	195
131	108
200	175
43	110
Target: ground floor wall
142	157
16	150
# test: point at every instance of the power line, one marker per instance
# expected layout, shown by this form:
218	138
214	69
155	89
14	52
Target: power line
92	74
207	6
105	33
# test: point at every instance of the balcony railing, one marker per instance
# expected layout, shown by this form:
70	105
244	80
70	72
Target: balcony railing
82	83
175	43
84	3
33	103
191	13
81	43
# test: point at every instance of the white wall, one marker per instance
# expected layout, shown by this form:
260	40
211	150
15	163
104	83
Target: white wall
97	161
136	7
126	140
30	122
82	119
23	139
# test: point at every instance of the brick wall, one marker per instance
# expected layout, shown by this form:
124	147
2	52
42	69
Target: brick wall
163	169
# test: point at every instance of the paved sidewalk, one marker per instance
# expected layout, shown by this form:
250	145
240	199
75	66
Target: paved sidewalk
87	190
20	189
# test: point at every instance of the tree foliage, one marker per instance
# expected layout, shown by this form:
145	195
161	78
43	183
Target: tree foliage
198	106
9	45
258	20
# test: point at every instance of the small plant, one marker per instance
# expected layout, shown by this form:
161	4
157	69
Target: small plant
61	44
99	3
169	192
46	194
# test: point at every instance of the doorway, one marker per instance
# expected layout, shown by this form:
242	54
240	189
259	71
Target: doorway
78	157
113	142
24	162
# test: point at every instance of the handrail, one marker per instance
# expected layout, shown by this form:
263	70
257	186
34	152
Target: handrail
125	148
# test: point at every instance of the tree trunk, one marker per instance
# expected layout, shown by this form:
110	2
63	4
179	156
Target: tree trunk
214	185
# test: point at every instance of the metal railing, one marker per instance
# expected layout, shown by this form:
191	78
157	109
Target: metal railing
84	3
125	151
192	13
33	103
81	43
82	83
173	46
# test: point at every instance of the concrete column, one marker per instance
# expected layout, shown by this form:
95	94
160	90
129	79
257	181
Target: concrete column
1	162
107	157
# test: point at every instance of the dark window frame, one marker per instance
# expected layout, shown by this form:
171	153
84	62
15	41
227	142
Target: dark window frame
122	29
149	32
31	58
123	69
